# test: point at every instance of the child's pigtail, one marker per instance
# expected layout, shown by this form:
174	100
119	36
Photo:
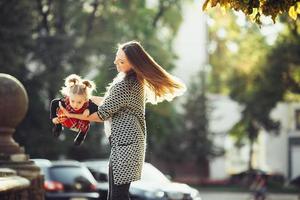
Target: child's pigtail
89	84
75	85
72	80
89	87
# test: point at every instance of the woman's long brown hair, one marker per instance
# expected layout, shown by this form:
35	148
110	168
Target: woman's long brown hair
160	85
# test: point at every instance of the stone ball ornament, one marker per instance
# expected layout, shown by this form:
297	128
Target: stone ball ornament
13	101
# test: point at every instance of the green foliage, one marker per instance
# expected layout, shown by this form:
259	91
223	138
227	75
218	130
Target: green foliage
256	8
233	55
197	142
44	41
257	75
15	36
165	130
277	76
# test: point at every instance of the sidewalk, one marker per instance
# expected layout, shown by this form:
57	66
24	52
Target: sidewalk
244	196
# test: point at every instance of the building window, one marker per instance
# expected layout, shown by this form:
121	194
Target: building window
297	119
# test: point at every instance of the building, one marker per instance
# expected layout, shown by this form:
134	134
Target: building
282	152
276	153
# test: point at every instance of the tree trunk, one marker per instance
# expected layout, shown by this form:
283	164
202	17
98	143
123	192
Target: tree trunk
250	163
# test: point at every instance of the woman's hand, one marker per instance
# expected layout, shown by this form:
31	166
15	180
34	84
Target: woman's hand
86	112
97	100
65	112
55	120
59	119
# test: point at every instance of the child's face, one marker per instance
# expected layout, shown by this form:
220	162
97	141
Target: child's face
77	101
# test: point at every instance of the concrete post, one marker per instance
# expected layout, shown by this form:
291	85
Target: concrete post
12	186
13	108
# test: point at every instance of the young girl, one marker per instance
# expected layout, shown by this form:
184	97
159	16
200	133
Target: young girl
140	80
77	94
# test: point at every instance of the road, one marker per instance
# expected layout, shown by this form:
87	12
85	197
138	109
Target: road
245	196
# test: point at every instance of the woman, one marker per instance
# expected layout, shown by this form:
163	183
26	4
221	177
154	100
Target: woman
140	80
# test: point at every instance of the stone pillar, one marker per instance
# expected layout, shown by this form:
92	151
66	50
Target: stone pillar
13	108
13	187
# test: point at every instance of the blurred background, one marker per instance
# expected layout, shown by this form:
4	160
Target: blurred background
240	115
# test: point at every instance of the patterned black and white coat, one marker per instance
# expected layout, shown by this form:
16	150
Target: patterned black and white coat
124	105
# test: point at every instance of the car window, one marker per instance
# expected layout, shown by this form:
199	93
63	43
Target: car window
70	174
151	174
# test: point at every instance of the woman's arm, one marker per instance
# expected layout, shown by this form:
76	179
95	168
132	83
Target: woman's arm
97	100
117	98
93	117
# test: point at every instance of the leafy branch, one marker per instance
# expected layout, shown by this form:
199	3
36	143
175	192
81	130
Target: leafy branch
257	8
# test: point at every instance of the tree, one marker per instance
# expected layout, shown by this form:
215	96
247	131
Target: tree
44	41
197	141
267	76
279	77
256	8
15	36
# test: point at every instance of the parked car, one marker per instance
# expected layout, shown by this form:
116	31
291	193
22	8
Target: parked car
296	181
246	178
154	185
67	180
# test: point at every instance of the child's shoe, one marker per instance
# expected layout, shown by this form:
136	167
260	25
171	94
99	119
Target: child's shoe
56	130
79	138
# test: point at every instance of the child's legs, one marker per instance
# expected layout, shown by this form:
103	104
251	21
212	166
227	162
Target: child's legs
80	137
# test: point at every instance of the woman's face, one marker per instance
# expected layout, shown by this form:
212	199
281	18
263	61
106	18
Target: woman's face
121	62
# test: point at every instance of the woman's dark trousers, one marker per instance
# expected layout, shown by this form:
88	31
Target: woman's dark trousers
117	192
